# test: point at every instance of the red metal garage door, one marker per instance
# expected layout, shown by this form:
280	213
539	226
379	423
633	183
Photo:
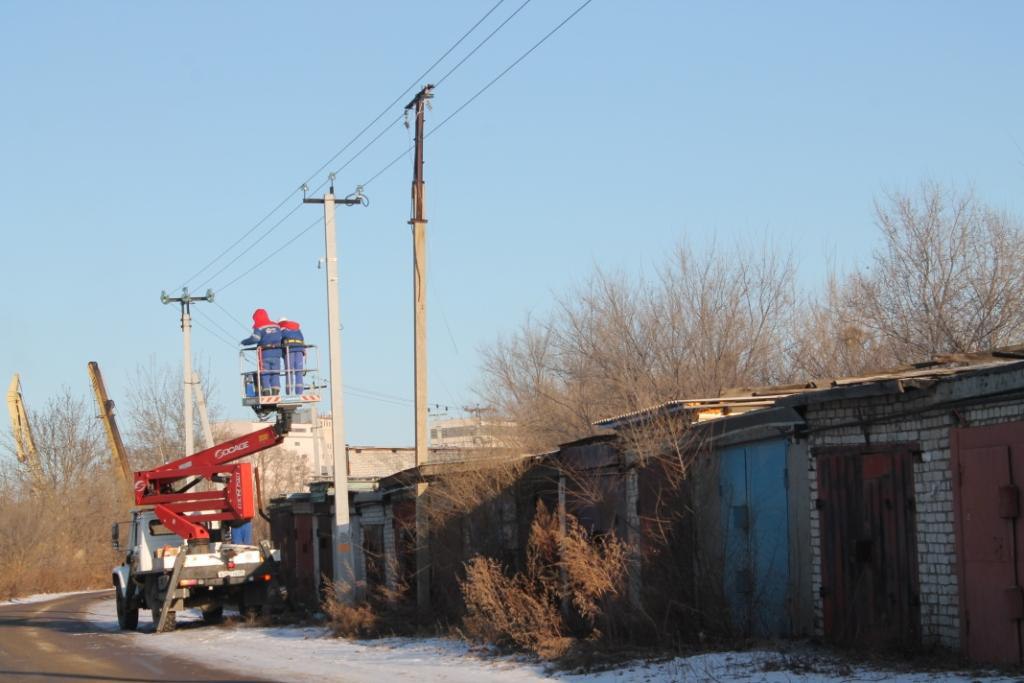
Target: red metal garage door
988	466
869	582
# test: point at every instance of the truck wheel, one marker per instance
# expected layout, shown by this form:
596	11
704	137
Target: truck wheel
171	619
248	612
127	614
214	615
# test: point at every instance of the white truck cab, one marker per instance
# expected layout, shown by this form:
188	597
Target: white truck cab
207	575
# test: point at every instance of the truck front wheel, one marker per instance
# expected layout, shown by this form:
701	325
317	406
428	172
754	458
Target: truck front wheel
127	609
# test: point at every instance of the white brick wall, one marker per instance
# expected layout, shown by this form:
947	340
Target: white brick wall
933	492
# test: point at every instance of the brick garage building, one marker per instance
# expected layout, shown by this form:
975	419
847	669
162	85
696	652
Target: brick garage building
914	527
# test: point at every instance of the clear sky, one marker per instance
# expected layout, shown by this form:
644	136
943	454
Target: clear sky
139	140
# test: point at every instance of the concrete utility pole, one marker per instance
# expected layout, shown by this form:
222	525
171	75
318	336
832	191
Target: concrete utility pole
419	298
186	302
344	571
204	415
314	419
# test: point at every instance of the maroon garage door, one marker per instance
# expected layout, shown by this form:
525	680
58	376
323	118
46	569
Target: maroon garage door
988	467
869	584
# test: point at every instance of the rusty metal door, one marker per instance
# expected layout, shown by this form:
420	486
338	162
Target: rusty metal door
306	588
988	466
869	580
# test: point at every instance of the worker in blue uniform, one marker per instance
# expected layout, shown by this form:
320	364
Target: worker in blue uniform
295	354
266	334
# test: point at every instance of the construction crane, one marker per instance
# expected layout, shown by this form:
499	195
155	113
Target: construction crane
24	443
118	454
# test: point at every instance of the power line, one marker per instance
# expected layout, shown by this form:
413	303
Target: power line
274	253
482	90
346	145
360	152
481	43
251	246
231	315
215	334
239	240
433	130
422	76
216	324
393	123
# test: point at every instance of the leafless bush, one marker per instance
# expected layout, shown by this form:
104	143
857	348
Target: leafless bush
461	488
525	610
58	539
347	617
511	611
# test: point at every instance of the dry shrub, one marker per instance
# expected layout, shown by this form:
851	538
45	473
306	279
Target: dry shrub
58	538
348	618
529	610
595	569
464	487
376	613
511	611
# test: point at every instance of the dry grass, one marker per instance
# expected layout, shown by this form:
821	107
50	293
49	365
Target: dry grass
51	546
467	486
569	576
347	617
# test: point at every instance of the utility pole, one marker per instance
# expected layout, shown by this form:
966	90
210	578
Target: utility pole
314	419
344	571
186	301
419	298
204	415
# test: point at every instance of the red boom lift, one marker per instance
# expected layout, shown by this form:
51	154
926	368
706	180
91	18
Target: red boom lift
185	511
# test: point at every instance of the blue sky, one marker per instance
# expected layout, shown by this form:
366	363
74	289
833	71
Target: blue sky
139	140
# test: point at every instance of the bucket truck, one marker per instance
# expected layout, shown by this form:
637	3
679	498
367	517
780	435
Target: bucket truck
176	557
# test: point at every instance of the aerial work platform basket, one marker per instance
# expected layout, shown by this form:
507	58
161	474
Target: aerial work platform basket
279	381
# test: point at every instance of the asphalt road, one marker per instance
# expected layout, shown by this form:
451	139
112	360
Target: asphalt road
55	641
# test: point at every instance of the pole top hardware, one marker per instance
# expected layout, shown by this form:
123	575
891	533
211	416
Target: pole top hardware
185	297
425	94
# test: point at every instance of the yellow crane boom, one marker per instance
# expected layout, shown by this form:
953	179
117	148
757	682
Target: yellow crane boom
24	443
118	454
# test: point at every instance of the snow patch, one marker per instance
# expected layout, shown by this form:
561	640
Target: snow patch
43	597
311	654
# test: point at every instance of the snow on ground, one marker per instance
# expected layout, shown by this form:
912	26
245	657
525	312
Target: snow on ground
43	597
310	654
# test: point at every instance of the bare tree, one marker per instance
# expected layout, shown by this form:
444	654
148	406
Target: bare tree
709	321
949	276
154	419
69	519
69	442
829	340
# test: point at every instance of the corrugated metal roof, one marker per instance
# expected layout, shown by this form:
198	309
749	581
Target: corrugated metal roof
726	405
741	399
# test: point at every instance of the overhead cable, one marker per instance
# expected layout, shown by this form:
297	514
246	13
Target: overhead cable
481	91
315	173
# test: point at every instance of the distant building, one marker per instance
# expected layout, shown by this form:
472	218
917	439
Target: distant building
310	450
475	431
